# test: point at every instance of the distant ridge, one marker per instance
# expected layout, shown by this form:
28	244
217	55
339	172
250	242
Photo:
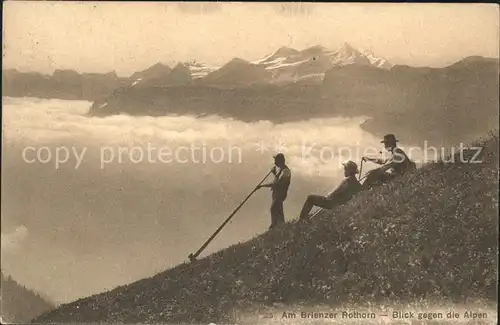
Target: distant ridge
237	72
458	101
19	304
285	65
62	84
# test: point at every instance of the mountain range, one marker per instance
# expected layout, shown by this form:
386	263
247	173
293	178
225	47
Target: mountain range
291	84
451	104
286	65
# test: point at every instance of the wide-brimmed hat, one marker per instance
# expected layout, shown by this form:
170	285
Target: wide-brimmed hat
389	138
351	165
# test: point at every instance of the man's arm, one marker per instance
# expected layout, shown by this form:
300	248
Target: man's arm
375	160
284	175
388	165
273	171
397	157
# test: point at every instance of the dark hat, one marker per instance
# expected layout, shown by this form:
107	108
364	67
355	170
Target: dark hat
389	138
279	156
351	165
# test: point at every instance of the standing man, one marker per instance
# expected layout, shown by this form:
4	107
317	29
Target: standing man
279	189
343	193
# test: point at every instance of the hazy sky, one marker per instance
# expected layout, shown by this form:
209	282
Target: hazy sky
126	37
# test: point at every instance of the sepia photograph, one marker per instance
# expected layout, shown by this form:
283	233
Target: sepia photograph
249	163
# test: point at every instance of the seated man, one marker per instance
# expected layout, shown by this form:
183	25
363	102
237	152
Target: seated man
397	164
341	194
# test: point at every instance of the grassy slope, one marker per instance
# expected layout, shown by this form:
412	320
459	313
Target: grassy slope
429	235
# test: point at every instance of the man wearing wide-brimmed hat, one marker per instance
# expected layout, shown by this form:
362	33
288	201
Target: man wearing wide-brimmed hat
397	164
349	186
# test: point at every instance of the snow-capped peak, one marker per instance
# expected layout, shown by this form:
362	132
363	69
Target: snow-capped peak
346	55
198	69
377	61
348	48
293	65
279	55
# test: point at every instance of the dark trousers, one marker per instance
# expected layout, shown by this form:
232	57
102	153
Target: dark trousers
314	200
277	214
376	177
